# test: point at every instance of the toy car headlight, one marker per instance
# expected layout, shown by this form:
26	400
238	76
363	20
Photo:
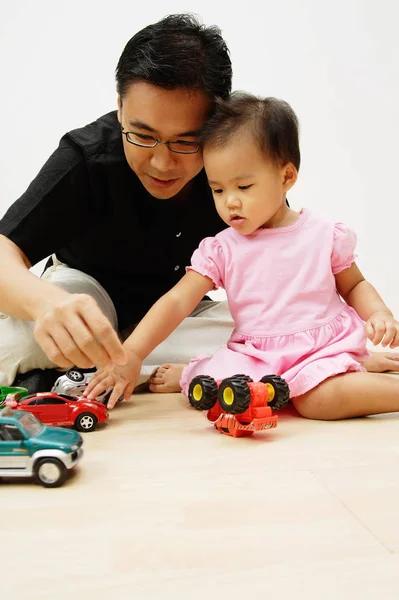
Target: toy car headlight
74	447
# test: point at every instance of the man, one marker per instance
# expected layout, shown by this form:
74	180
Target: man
119	206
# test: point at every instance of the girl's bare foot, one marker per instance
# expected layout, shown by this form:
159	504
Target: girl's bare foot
381	362
166	379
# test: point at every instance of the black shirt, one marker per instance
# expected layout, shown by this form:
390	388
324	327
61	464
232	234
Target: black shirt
88	206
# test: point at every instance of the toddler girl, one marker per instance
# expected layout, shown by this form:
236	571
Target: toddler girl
297	297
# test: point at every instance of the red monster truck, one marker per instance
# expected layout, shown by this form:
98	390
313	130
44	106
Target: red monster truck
237	405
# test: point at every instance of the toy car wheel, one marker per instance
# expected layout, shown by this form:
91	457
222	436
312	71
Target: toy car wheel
279	392
234	395
50	472
86	422
246	378
75	375
203	392
104	399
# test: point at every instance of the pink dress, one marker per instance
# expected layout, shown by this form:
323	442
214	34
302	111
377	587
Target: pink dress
289	318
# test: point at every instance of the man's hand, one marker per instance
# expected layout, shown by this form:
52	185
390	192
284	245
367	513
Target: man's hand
122	378
74	332
382	328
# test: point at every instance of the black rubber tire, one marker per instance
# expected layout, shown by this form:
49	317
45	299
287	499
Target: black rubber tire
243	377
209	390
106	398
86	428
281	391
77	377
241	395
63	472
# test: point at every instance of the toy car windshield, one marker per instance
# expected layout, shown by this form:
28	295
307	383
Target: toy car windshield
32	425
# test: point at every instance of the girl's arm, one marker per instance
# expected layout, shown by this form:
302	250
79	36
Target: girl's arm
364	298
167	313
158	323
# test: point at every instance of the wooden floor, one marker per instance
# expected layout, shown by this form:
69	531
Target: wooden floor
164	506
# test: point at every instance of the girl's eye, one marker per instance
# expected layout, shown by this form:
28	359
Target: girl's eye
217	191
244	187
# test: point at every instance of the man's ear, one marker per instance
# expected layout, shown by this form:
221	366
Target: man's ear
119	115
290	175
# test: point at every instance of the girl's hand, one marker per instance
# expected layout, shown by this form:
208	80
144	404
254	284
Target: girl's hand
122	378
383	328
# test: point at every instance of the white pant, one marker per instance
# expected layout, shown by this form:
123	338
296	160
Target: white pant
207	329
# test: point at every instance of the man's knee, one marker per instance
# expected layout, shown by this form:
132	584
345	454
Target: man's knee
77	282
19	351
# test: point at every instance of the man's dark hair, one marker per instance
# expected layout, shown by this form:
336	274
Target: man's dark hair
272	123
174	53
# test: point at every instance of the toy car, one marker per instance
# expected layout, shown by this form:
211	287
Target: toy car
60	409
5	390
29	448
75	381
237	405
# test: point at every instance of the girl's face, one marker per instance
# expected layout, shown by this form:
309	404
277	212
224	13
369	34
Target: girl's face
249	190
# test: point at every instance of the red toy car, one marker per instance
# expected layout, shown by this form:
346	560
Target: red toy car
238	406
60	409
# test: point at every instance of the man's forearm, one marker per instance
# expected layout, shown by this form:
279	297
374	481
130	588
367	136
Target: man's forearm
21	292
365	299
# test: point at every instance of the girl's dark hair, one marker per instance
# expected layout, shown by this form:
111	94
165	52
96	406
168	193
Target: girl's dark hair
272	123
177	52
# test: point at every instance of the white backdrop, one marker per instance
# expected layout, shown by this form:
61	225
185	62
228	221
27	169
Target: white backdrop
337	63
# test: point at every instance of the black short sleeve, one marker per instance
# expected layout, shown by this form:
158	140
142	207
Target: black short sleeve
54	208
88	207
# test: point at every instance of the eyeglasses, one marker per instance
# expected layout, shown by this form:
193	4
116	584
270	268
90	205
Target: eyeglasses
147	141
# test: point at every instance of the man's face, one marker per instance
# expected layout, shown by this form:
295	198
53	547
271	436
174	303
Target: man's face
168	115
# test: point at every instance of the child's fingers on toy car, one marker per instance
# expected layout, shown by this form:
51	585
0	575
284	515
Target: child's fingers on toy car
98	385
93	382
119	390
129	389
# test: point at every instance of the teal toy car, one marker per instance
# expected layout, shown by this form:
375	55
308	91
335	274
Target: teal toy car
5	390
30	449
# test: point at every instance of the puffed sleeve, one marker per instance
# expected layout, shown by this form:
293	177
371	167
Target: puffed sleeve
208	260
343	252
